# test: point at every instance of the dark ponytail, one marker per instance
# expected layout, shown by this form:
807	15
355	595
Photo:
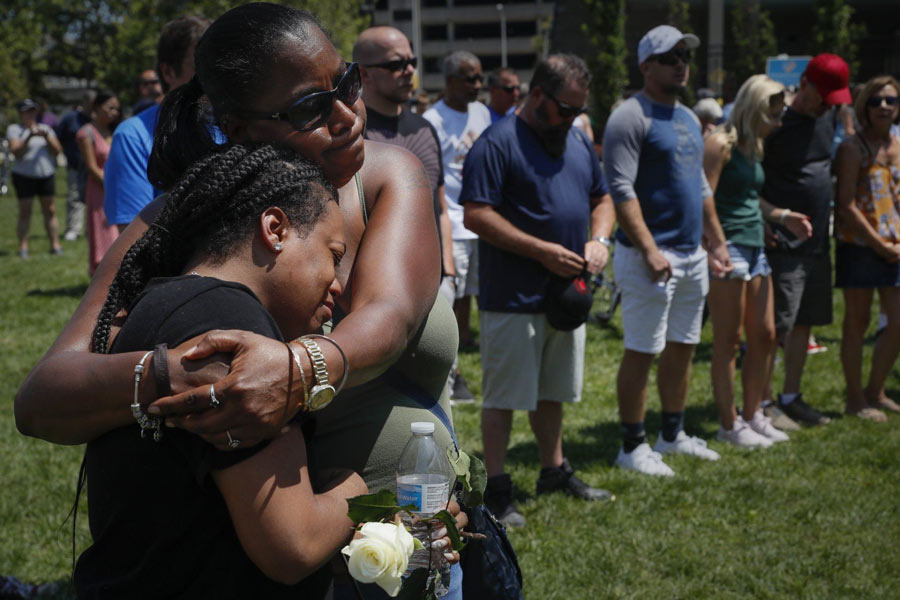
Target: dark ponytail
183	135
232	61
211	211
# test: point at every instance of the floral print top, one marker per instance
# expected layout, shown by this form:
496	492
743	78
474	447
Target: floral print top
877	198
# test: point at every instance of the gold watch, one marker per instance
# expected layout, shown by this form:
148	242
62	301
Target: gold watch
322	392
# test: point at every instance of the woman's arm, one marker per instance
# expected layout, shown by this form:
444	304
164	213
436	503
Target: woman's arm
18	146
72	395
90	159
52	143
286	529
715	155
847	164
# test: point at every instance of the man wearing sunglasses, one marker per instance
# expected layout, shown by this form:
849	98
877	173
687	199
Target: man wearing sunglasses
149	91
534	192
504	87
459	119
387	66
126	187
653	158
797	164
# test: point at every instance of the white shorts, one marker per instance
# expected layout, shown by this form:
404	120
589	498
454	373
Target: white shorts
654	313
524	359
465	260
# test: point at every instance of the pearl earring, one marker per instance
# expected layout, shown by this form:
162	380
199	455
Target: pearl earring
279	246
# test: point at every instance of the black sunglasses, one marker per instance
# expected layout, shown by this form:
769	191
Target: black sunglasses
395	65
313	110
875	101
566	111
673	56
509	89
471	78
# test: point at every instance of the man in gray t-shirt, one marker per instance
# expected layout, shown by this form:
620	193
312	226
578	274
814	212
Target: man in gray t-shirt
653	157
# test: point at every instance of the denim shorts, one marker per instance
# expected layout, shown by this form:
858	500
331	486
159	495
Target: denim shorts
748	262
861	267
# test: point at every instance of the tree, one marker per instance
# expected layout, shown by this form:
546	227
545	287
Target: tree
754	39
605	30
679	17
835	32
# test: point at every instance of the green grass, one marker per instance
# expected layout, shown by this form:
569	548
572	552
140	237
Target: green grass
813	518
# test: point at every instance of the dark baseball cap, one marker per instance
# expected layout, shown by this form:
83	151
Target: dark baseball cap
831	76
27	104
568	302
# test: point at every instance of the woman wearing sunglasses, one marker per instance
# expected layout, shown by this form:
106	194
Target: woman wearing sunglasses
744	302
270	74
867	257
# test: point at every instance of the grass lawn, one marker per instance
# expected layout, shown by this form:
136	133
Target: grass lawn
817	517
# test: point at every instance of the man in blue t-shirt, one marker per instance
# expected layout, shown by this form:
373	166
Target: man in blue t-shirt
126	187
532	190
653	157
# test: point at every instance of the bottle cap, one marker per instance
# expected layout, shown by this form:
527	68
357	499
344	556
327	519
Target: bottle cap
422	427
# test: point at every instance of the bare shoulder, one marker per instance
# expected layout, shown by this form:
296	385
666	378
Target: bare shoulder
849	152
391	168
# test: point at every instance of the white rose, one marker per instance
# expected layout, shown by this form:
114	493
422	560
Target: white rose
380	556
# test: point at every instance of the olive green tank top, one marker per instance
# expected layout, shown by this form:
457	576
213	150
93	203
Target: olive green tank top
366	427
737	200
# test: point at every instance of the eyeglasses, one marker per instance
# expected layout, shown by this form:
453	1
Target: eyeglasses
313	110
509	89
395	65
149	81
671	57
875	101
566	111
472	78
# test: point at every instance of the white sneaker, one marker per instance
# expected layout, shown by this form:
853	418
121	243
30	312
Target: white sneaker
643	460
742	436
71	236
762	425
685	444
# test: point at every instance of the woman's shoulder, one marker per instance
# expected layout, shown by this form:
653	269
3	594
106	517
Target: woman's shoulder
388	164
84	131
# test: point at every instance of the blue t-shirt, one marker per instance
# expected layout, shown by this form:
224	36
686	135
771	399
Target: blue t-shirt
549	198
654	152
127	189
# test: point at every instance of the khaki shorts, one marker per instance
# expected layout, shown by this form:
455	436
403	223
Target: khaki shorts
524	359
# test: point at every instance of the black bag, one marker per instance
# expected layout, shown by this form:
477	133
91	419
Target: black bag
490	567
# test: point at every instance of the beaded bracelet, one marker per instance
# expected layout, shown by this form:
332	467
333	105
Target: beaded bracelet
302	405
346	372
145	422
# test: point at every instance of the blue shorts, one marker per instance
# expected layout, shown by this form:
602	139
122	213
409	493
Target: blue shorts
748	262
858	266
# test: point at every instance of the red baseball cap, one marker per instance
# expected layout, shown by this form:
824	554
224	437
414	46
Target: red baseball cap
831	76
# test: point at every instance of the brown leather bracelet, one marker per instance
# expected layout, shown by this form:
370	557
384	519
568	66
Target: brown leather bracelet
161	370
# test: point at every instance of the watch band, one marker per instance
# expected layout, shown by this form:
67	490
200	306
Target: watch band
602	239
317	358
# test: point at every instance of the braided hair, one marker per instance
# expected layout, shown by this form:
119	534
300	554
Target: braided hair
212	210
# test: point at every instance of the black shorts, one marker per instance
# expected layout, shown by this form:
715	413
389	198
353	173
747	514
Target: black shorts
802	286
858	266
28	187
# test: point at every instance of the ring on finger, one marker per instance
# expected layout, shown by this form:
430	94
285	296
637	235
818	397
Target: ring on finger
233	443
213	401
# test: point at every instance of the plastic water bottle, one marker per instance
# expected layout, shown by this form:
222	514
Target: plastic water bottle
423	480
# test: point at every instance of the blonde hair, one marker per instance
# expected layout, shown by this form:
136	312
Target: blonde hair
873	85
751	111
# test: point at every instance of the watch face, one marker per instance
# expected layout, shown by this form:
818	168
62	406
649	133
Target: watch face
320	397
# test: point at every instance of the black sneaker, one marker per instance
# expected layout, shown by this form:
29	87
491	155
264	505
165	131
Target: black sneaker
460	393
498	499
802	412
563	479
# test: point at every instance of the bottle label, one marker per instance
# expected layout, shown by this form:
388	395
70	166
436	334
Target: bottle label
428	498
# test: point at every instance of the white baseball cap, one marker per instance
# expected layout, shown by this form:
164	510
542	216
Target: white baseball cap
660	40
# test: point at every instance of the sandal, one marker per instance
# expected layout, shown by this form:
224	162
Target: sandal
869	414
887	404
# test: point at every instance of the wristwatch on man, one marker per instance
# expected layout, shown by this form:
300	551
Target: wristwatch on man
322	392
602	239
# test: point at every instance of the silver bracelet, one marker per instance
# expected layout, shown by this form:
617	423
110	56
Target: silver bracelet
346	372
303	404
145	422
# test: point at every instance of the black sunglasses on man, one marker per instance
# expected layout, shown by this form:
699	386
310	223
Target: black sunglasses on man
396	65
671	57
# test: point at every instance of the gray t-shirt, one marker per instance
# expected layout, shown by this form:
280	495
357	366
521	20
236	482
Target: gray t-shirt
38	162
654	152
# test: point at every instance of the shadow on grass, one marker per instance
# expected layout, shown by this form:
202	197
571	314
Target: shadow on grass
72	291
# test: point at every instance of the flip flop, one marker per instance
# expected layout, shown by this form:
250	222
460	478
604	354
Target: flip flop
869	414
887	404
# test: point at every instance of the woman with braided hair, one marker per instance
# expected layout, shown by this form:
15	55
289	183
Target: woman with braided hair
269	73
253	237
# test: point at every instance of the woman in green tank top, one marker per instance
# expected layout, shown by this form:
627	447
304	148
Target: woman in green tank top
744	300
